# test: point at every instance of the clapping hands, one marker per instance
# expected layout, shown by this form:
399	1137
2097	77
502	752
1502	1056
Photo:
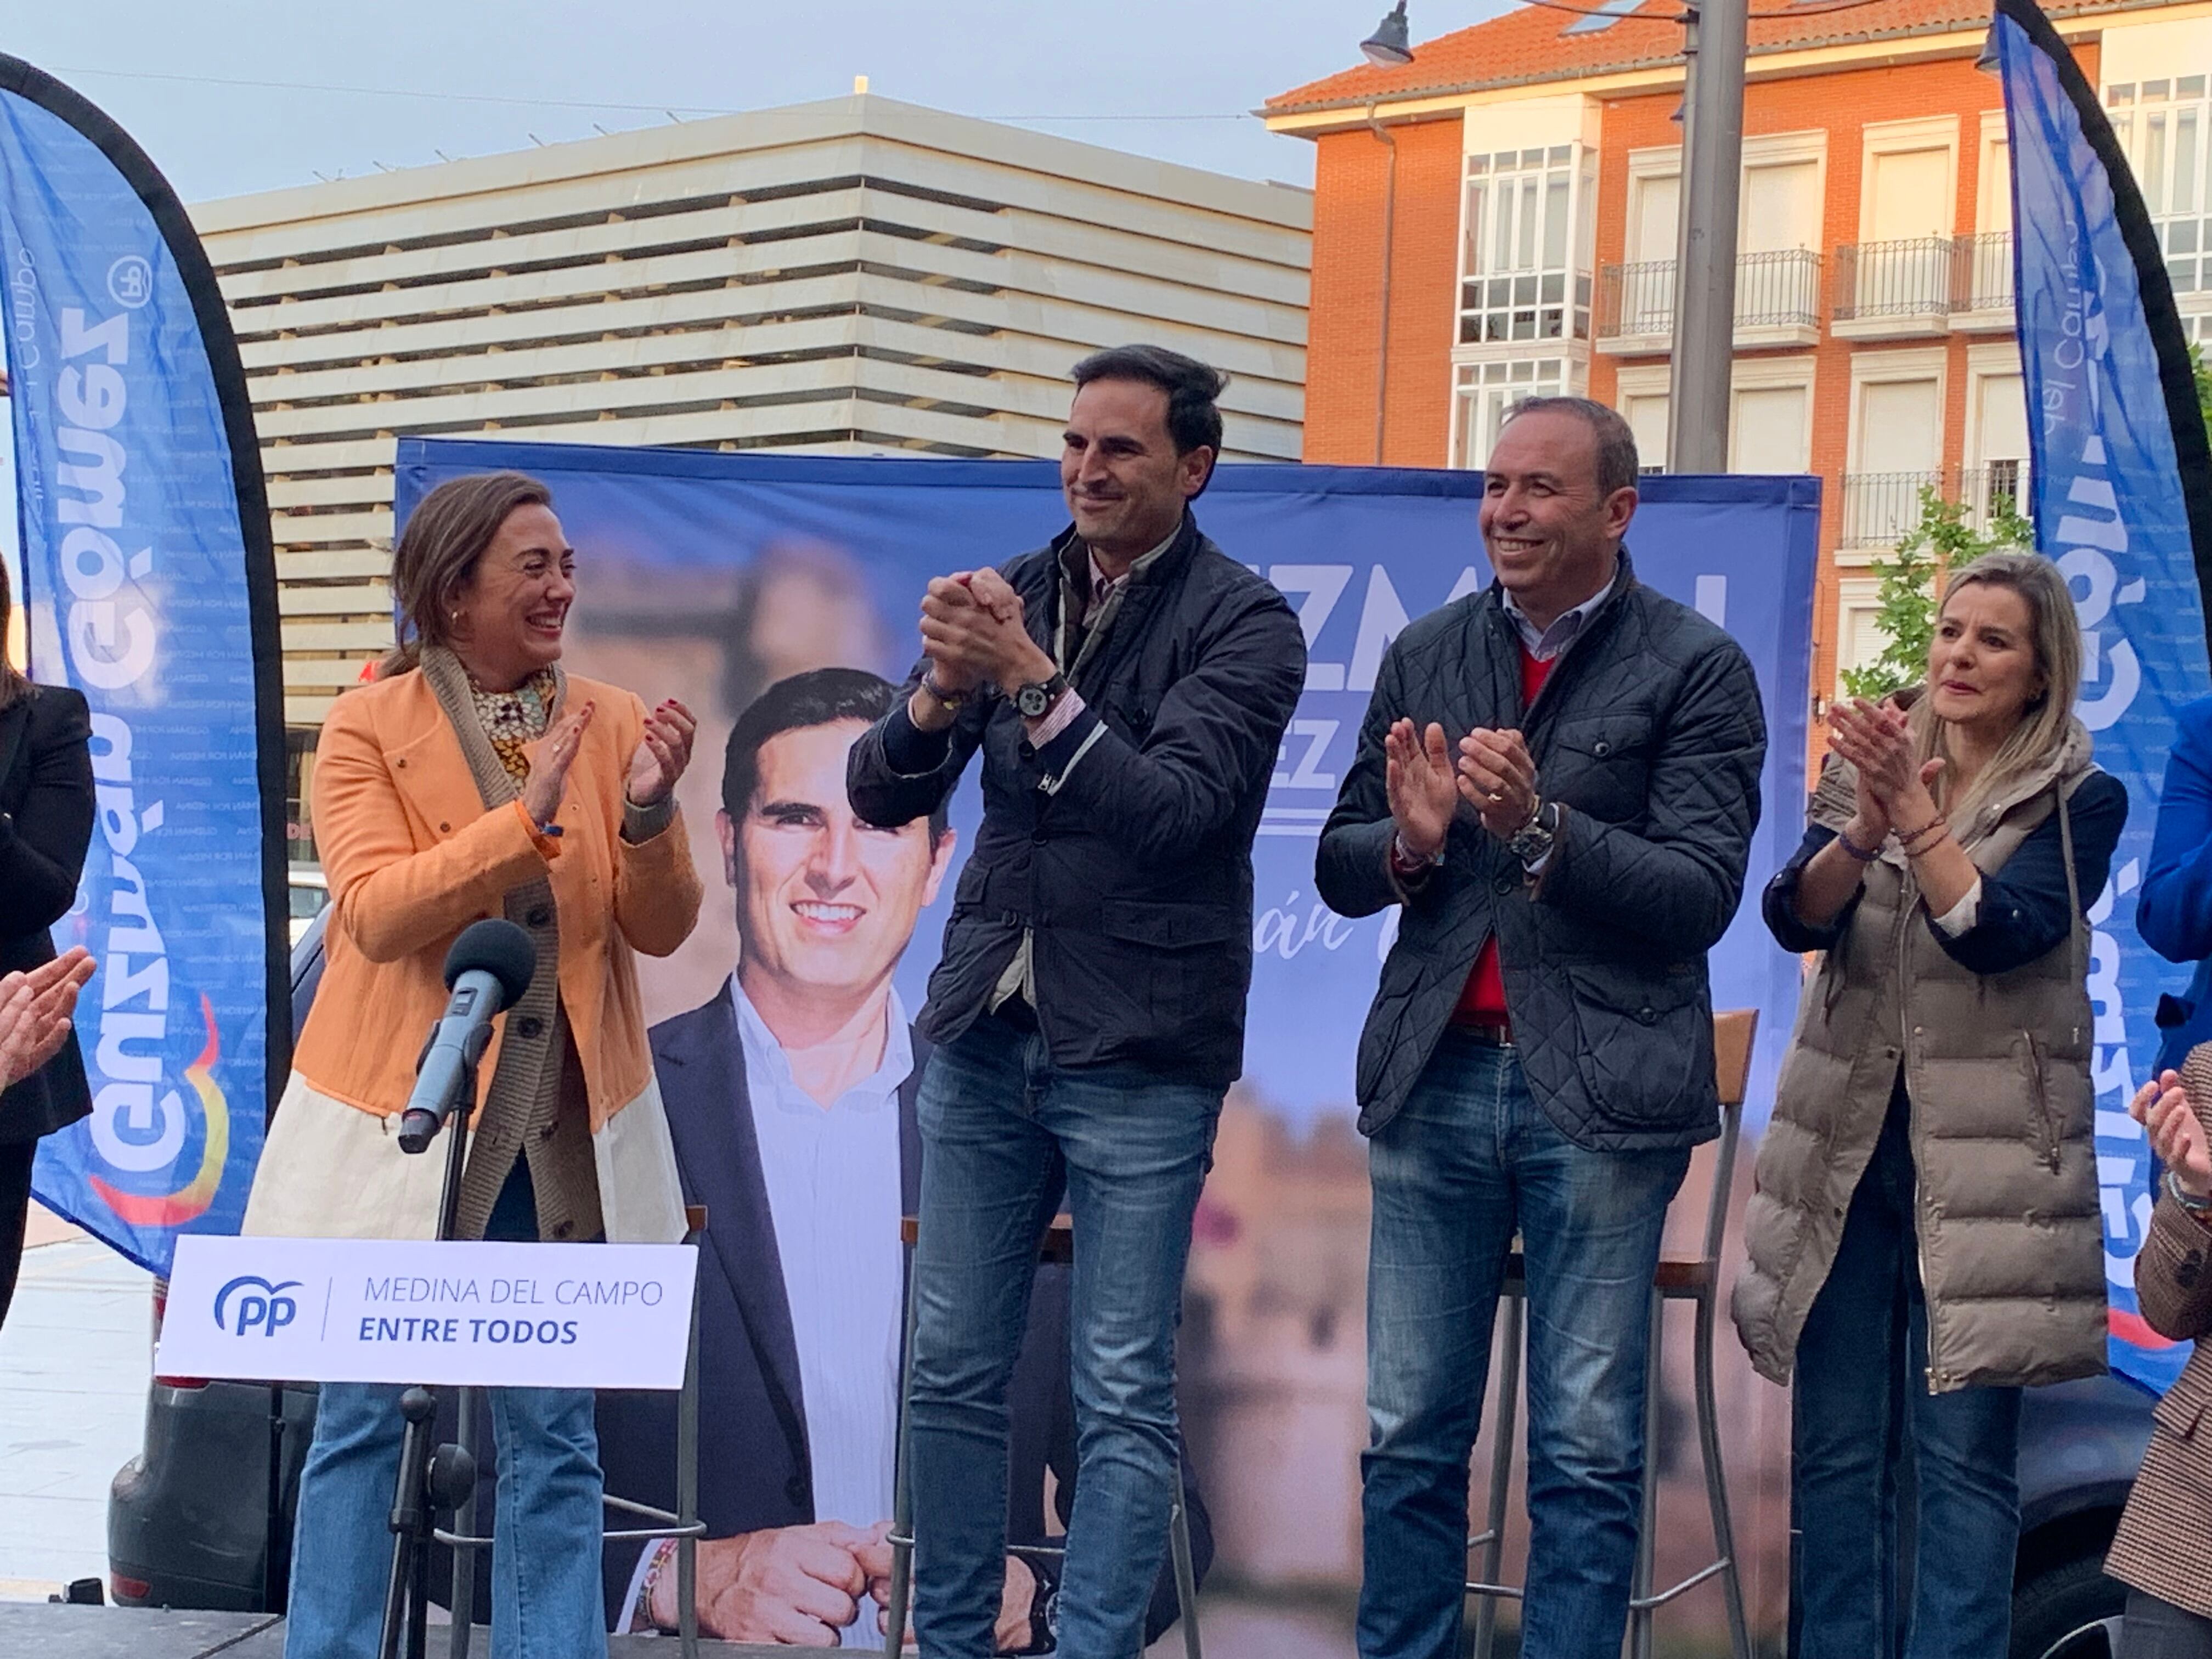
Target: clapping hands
35	1011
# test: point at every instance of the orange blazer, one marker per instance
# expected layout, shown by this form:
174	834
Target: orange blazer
412	858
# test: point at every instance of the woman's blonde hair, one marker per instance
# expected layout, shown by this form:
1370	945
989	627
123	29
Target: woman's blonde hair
447	533
2056	638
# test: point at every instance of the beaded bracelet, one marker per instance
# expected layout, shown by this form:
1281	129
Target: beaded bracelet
1863	854
1934	828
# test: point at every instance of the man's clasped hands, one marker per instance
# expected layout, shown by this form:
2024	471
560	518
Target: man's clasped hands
972	633
800	1586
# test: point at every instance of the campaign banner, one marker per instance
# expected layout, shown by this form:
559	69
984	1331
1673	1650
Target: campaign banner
474	1314
2119	473
149	585
709	576
778	595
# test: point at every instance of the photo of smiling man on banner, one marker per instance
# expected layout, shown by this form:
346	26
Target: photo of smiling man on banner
791	1099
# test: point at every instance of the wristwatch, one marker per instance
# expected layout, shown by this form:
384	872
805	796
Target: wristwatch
2199	1208
1532	842
1035	700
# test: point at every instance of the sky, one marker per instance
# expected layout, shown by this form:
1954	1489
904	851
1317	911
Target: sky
231	96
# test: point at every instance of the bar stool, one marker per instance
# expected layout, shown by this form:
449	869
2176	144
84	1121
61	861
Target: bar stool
1695	1279
684	1525
1056	1249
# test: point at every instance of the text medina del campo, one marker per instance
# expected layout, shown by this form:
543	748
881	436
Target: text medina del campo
518	1292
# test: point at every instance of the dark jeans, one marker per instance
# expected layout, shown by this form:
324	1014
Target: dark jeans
15	1214
1860	1409
1005	1132
1470	1161
2159	1630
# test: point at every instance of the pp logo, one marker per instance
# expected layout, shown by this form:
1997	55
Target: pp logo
271	1310
130	281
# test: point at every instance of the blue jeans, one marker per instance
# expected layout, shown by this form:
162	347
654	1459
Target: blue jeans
1860	1409
546	1599
1470	1160
1004	1133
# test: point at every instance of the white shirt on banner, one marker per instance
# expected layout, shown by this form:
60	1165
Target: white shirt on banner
833	1191
833	1195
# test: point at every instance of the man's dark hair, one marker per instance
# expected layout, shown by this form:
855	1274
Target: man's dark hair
820	696
1617	467
1191	386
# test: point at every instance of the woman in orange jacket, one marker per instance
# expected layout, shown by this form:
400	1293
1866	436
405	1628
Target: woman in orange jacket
474	779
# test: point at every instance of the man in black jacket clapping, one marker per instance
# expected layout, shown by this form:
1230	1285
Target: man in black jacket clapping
1128	686
1557	781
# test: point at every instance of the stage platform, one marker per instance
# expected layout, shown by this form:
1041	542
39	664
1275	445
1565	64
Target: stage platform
29	1630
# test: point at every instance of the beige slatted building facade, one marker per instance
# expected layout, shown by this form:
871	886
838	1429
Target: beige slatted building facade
853	276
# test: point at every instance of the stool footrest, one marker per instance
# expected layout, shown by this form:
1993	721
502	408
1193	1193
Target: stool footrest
632	1534
1509	1592
1663	1597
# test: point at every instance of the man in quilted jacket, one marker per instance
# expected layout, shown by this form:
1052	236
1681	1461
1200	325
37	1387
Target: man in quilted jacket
1557	783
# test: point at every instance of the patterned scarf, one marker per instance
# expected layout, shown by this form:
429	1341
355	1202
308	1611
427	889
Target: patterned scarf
514	719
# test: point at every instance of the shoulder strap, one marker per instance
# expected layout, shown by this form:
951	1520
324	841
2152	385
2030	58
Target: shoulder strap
2076	923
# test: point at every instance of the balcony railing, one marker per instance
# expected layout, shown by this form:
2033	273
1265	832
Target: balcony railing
1981	272
1922	284
1880	508
1894	279
1772	290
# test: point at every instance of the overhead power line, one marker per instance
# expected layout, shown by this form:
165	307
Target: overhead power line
561	103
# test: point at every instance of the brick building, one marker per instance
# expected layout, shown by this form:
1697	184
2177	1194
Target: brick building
1535	159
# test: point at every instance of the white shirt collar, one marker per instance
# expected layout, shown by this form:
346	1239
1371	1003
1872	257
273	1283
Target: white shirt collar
870	1093
1546	643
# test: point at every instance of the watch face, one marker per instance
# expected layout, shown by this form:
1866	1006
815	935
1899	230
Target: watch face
1032	701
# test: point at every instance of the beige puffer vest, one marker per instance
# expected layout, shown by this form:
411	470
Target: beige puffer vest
1997	1070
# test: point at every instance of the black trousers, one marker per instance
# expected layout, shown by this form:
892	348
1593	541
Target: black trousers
2159	1629
15	1214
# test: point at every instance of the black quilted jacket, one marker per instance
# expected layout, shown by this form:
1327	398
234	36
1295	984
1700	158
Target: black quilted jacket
1135	875
1648	733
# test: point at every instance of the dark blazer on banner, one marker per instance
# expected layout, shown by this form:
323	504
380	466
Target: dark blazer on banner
755	1471
45	825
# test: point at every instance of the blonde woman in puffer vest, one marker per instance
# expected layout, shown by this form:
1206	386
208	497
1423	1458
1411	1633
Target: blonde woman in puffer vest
1924	1237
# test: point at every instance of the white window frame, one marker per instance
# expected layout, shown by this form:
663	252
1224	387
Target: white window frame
1771	374
1645	381
1899	137
1882	367
1995	360
1993	141
1855	596
1574	382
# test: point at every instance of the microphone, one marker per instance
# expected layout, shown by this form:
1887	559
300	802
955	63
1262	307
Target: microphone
489	967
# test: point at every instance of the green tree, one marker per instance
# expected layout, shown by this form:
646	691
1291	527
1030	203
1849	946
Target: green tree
2202	376
1905	594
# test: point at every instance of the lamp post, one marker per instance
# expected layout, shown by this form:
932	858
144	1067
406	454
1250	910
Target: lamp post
1389	47
1704	263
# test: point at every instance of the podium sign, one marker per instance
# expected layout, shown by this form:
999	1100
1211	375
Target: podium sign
467	1315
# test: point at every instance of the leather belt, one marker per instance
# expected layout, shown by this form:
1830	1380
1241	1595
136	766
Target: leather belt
1490	1035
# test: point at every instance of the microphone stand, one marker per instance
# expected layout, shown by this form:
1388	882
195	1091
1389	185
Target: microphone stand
429	1480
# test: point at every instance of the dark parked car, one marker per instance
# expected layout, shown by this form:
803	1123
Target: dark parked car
192	1519
2080	1445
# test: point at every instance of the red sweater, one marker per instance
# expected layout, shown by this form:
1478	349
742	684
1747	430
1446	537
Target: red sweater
1482	1001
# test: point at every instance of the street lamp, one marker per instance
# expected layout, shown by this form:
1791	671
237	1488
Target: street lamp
1390	45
